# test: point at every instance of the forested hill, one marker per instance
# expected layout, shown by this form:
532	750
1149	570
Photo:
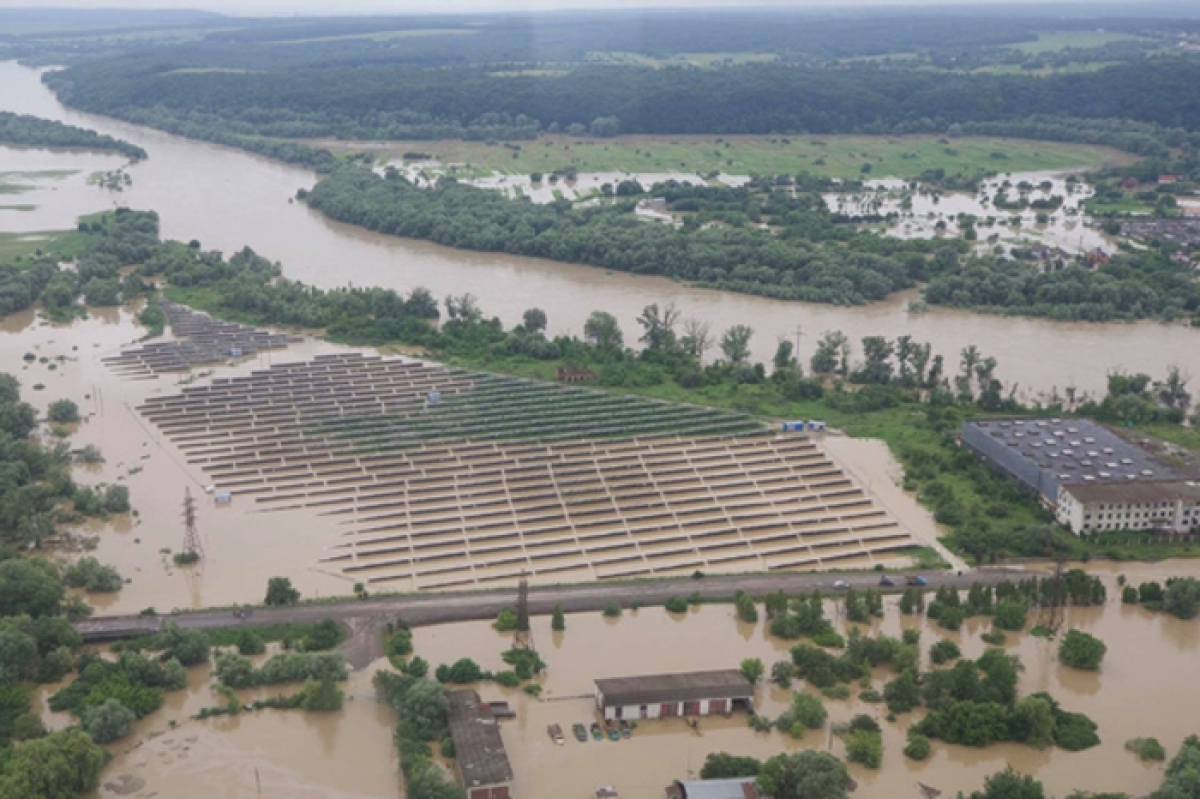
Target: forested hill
30	131
391	101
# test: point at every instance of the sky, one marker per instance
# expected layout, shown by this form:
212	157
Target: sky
419	6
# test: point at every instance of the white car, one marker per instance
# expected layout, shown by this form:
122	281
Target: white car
841	585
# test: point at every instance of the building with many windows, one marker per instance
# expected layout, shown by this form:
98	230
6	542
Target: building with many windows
1087	475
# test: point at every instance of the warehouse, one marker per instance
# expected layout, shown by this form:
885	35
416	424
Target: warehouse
479	750
699	693
1087	475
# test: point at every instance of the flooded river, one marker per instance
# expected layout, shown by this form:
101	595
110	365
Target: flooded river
227	199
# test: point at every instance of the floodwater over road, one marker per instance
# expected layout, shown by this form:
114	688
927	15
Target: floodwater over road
1141	690
227	199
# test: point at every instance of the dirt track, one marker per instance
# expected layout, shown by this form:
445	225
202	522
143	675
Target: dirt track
365	619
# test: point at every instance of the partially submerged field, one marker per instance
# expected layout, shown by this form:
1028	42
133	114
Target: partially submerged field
829	156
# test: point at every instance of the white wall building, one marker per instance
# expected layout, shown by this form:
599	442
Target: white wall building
1165	507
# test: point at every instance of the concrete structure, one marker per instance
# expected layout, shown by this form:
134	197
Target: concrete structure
1091	478
699	693
1171	507
735	788
479	750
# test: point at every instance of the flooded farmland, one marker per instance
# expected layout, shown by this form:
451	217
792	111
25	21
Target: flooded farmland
1137	692
231	199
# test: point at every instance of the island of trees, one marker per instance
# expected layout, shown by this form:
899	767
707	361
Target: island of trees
30	131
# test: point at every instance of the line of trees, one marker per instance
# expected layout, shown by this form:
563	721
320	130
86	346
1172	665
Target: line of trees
24	130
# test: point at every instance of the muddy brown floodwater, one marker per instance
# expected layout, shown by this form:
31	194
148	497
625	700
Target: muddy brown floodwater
228	199
1142	689
269	753
242	548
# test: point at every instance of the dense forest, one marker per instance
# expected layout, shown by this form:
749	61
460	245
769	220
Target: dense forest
513	76
396	102
806	254
30	131
813	259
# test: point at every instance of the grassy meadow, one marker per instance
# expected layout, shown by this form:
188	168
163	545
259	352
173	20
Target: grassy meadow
829	156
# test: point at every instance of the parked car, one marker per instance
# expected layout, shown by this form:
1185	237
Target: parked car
885	580
841	585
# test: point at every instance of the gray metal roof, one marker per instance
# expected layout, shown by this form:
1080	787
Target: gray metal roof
1136	492
1065	452
478	747
733	788
691	686
737	788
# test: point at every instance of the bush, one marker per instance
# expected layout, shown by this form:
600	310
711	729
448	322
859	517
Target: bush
613	609
325	634
911	637
752	669
1081	651
782	673
944	651
721	765
506	621
1146	748
508	679
829	639
321	696
558	621
746	610
675	604
280	592
918	746
526	662
461	672
63	411
1010	615
89	574
805	709
870	695
838	692
864	747
949	618
994	637
250	642
1129	595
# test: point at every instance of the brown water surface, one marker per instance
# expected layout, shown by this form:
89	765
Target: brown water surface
228	199
1141	690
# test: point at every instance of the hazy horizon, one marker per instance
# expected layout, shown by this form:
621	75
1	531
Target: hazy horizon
344	7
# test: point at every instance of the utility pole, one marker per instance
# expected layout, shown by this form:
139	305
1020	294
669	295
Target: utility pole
523	637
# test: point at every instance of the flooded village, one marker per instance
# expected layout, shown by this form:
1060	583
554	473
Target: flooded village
403	572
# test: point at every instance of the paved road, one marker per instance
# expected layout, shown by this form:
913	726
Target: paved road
365	618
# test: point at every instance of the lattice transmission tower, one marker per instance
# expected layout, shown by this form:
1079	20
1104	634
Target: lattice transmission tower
1051	616
191	534
523	637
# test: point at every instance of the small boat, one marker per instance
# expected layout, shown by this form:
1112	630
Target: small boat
597	733
556	735
626	729
580	732
614	733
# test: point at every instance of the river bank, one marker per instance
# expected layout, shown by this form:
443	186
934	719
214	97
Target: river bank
233	199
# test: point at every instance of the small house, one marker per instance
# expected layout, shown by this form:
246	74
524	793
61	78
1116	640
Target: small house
734	788
663	696
1166	180
222	497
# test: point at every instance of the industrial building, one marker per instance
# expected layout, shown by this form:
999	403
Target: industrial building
1088	476
733	788
479	750
699	693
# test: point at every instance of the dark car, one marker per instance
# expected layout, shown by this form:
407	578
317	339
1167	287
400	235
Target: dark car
885	580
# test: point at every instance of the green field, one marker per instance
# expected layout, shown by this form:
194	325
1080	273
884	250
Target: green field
703	60
62	244
830	156
1080	40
